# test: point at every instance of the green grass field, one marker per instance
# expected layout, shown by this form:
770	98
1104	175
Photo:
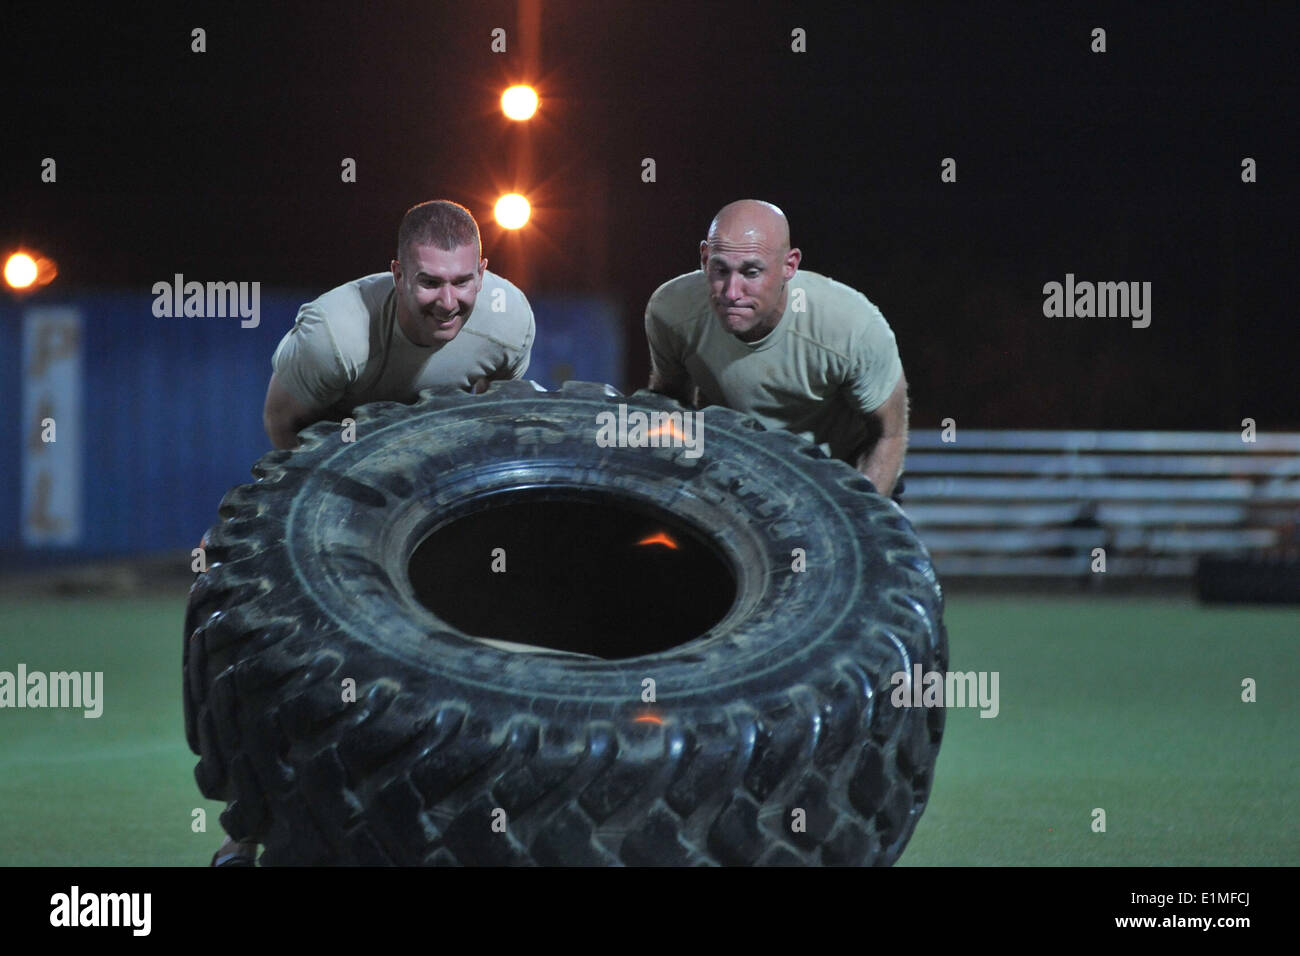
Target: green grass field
1130	705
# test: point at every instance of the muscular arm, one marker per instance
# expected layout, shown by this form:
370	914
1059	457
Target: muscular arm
283	416
882	460
667	372
682	390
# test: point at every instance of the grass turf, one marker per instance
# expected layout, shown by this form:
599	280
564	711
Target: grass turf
1133	706
1130	705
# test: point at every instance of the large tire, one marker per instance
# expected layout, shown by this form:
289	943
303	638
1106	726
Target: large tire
783	706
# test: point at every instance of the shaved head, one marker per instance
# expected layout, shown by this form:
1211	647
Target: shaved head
748	261
751	220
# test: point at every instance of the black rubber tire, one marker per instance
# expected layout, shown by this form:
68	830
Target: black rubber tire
783	706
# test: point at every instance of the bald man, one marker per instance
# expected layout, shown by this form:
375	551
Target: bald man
794	349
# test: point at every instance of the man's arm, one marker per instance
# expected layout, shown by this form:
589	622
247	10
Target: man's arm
679	390
308	377
882	460
513	370
668	375
283	416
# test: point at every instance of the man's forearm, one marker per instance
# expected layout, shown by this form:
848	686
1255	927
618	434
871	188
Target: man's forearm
884	462
680	391
886	441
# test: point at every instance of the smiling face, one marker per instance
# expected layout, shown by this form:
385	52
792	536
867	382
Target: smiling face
748	261
436	291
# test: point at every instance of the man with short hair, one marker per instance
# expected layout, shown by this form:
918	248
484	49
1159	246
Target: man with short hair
794	349
388	335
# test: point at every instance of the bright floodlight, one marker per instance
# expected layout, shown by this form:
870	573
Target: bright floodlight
20	270
519	102
512	210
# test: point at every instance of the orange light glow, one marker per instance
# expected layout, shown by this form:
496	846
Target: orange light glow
647	719
24	272
659	537
519	102
20	270
512	211
671	428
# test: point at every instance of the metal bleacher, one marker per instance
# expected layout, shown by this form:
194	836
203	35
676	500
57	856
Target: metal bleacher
1036	503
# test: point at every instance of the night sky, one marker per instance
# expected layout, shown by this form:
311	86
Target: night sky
1115	166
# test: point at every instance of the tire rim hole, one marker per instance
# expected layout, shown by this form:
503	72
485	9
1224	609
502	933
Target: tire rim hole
596	575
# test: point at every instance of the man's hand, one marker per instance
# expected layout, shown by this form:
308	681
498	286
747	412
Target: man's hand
882	461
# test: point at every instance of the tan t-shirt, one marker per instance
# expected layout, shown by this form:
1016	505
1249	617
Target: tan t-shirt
830	360
347	348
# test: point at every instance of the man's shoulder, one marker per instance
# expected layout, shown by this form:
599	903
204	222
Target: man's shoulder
502	313
515	300
348	313
680	300
834	314
360	297
837	298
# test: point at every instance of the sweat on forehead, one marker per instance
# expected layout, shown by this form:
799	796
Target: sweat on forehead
749	223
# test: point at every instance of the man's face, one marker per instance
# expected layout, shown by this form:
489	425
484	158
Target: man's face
436	290
746	284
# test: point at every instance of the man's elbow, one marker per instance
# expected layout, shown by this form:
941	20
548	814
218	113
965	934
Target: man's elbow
677	391
283	416
282	436
281	426
894	413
